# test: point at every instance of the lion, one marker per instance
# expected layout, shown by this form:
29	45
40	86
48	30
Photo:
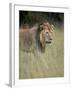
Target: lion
36	37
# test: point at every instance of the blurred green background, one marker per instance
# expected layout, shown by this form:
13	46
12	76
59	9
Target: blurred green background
31	17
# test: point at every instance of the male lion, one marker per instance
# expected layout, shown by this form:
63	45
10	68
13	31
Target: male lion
36	37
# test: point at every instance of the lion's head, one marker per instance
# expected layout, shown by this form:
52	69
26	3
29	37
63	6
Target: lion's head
45	34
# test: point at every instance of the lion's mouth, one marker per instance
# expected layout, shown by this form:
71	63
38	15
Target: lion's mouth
49	41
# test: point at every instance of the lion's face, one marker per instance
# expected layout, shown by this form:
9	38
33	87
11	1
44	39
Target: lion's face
46	31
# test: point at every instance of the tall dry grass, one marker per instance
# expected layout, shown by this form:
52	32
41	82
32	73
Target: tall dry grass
44	65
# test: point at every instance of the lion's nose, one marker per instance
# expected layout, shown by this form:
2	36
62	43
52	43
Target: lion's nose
50	38
46	32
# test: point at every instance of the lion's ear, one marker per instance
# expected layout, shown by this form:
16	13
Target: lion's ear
52	28
41	26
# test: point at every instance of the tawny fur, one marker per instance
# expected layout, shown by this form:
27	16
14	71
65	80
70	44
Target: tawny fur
32	38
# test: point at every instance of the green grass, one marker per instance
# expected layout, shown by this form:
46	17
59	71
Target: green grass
43	65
